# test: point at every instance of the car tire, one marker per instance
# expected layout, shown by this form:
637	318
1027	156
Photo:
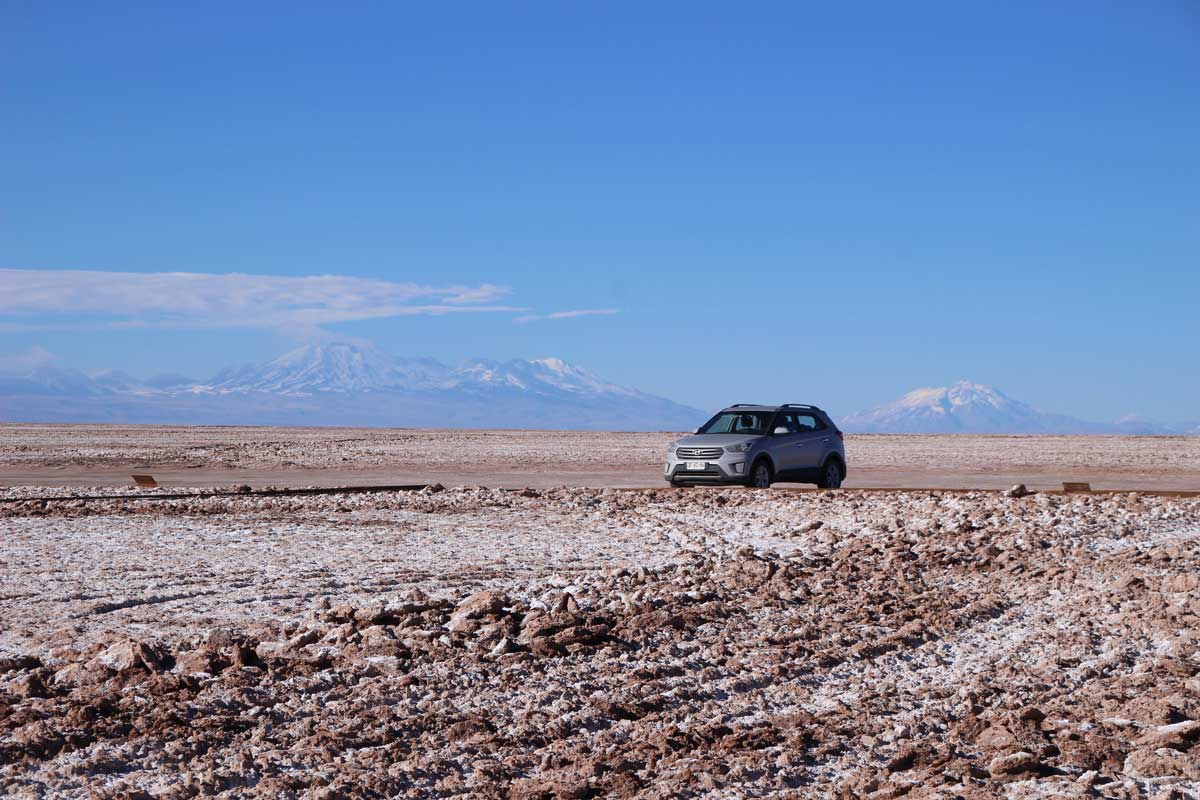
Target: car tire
831	475
761	474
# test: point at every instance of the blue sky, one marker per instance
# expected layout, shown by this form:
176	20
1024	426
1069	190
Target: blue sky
828	203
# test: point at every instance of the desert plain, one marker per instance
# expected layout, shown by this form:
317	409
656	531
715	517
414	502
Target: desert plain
105	455
552	621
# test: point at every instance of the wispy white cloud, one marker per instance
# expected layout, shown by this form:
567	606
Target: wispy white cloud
484	293
32	299
579	312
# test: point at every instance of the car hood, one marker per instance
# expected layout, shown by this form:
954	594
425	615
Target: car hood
713	440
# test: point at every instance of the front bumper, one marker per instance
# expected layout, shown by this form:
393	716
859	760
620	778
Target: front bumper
729	468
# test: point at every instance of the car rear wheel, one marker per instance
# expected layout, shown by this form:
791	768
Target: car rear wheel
831	476
760	476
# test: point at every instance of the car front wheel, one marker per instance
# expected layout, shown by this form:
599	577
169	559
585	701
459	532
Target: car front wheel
760	478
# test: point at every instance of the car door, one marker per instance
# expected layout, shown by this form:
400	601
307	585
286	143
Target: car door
784	446
812	441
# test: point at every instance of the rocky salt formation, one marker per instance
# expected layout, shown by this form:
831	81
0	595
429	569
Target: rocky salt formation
767	644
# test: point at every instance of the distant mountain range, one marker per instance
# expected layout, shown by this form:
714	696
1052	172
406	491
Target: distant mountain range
966	407
347	384
359	384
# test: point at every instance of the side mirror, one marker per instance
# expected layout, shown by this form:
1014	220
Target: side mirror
781	431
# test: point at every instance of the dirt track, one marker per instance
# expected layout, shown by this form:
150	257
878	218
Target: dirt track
580	643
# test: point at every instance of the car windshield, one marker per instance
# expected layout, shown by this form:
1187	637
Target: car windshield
748	423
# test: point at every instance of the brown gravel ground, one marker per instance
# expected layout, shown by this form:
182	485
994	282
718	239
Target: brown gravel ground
580	643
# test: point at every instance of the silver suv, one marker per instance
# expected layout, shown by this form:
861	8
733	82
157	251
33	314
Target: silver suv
759	445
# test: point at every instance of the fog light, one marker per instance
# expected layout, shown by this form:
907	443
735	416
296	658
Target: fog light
667	468
738	466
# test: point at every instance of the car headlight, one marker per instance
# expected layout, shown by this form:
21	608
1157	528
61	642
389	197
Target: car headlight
739	448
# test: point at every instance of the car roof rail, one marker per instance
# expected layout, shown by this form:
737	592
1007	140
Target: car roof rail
785	405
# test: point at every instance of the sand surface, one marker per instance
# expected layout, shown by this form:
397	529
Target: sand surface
95	455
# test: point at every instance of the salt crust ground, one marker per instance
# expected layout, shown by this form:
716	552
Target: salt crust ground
83	455
582	643
48	445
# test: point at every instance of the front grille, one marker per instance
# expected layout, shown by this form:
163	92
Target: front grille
699	452
709	474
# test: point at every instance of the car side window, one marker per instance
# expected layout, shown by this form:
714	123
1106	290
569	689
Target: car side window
746	423
807	423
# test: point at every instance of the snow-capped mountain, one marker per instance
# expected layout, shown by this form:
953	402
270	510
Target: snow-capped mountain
337	367
966	407
48	381
52	381
541	375
116	381
343	368
350	384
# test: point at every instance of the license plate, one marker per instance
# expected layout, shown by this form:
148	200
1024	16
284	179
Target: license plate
697	465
